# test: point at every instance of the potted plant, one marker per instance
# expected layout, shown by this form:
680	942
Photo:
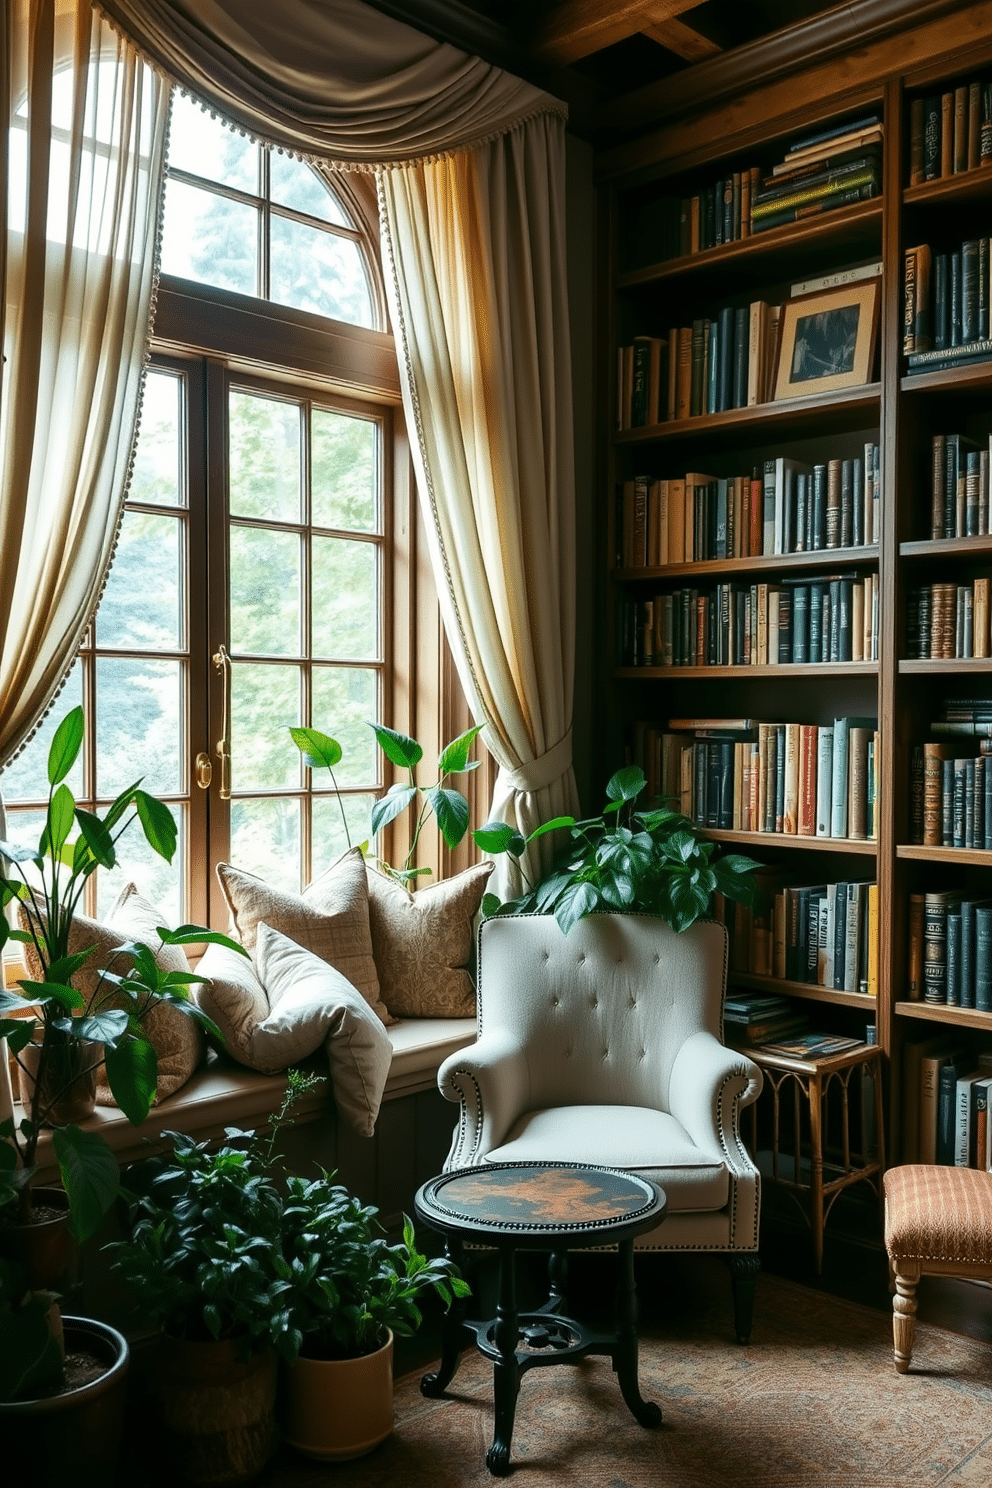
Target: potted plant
62	1389
656	861
351	1292
238	1269
61	1046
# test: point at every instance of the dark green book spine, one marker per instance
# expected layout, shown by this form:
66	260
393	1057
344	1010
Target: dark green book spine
983	958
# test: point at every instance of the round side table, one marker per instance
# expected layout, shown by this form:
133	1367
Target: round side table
539	1206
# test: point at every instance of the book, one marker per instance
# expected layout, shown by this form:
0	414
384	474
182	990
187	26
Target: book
812	1045
922	1061
935	908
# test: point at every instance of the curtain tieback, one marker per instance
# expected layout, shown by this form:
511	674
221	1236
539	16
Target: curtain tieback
536	774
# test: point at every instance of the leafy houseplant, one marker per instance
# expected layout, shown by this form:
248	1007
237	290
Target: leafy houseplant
624	859
71	1034
443	801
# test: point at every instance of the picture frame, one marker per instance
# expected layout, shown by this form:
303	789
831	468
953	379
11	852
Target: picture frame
826	340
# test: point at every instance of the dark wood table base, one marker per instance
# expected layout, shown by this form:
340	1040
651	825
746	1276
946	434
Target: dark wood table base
518	1341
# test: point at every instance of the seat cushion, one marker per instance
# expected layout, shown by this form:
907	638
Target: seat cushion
938	1214
643	1141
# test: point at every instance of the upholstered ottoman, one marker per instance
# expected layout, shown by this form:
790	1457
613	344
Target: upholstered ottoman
938	1222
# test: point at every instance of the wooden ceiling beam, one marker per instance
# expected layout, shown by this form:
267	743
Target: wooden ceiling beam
578	28
681	39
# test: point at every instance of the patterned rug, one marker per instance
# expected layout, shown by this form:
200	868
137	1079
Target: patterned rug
813	1402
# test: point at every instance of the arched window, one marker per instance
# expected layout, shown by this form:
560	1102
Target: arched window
262	573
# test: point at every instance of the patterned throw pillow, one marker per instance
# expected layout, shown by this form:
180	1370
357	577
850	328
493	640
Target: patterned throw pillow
330	919
422	943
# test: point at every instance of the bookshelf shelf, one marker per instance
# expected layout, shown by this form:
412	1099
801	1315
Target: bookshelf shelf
818	411
948	547
969	856
968	186
779	250
824	559
784	670
972	377
937	667
866	847
805	991
939	1012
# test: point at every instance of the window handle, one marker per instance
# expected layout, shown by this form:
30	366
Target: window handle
223	751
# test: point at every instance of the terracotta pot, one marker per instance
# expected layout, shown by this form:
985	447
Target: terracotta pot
217	1410
74	1437
337	1409
44	1247
66	1096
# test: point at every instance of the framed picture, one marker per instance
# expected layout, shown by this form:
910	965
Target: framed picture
827	340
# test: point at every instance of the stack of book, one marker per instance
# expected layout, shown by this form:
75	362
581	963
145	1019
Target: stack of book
950	949
781	506
960	487
823	935
951	795
948	620
751	776
672	226
830	168
946	1091
750	1018
833	618
812	1045
946	306
950	131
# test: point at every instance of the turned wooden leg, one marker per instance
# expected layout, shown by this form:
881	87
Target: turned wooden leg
906	1275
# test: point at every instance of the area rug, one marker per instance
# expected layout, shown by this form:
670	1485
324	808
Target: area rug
813	1402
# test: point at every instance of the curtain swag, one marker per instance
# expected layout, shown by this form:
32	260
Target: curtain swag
334	79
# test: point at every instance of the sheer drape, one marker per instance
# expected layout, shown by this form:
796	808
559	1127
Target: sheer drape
471	169
478	275
87	124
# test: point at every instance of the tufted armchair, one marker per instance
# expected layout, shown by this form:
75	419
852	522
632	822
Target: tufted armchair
604	1046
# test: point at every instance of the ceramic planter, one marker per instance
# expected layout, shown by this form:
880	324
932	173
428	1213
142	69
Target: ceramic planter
337	1409
74	1437
45	1247
217	1410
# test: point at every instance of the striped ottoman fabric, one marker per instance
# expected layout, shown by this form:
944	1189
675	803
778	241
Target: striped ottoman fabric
939	1214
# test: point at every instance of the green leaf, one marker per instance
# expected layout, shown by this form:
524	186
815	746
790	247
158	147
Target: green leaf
61	814
18	1032
96	838
123	801
317	749
490	905
578	900
391	805
132	1070
626	784
496	837
557	824
454	756
398	748
46	992
102	1028
158	823
451	809
65	746
683	844
193	934
90	1176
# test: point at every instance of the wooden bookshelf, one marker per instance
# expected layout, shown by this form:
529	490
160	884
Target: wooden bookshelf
902	411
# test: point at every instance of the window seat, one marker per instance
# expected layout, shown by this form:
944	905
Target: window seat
223	1093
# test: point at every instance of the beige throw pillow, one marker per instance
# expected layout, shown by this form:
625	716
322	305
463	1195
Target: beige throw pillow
176	1038
422	943
330	919
284	1005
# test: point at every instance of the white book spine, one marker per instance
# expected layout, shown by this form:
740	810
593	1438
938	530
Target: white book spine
838	799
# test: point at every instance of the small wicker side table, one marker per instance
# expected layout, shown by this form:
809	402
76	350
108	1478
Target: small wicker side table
802	1087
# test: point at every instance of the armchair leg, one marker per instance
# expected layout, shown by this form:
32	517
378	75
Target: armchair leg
744	1268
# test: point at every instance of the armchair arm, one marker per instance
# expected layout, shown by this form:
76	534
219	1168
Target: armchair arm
490	1080
710	1086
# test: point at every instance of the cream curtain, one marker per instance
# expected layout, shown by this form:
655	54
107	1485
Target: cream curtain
471	168
87	126
477	249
